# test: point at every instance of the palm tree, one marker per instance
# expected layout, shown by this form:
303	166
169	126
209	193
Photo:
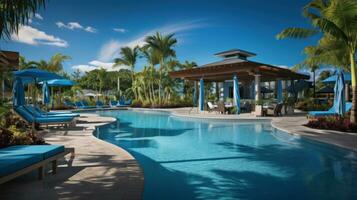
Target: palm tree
101	77
128	57
15	13
56	62
336	19
163	45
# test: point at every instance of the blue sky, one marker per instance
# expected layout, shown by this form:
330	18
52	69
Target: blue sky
92	32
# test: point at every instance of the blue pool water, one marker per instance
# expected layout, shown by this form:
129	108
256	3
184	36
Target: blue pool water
200	159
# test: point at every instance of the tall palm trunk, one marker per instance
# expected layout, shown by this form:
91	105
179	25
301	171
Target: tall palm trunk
354	87
314	81
160	78
132	83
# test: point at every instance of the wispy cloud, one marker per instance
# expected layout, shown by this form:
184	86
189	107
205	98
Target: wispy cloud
33	36
38	16
76	25
96	64
110	49
120	30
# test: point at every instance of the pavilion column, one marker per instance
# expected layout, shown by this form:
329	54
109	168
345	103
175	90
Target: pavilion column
347	92
258	94
201	102
279	91
194	95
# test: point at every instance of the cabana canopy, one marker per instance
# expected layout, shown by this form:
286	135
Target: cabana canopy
244	69
34	75
59	82
332	79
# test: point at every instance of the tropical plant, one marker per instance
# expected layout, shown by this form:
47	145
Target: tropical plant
55	64
13	14
128	58
163	45
336	19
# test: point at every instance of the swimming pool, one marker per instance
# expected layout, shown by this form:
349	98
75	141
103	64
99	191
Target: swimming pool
206	159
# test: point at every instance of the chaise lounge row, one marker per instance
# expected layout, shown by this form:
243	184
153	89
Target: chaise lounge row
34	115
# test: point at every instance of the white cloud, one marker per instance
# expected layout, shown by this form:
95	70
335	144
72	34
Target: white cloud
120	30
75	25
84	68
38	16
96	64
33	36
90	29
110	49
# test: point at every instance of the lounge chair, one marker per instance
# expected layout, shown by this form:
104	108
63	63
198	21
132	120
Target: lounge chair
121	101
86	105
128	102
274	110
22	159
212	107
83	105
69	104
99	104
330	112
38	112
113	103
43	120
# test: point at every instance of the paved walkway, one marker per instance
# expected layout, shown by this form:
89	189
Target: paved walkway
99	171
295	125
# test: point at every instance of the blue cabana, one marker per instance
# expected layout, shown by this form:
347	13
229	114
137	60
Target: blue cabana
236	94
45	93
279	94
339	99
18	93
59	83
202	95
333	79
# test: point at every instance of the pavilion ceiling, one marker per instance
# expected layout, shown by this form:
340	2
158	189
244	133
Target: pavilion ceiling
9	60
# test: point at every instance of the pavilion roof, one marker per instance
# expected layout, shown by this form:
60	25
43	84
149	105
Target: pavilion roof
244	69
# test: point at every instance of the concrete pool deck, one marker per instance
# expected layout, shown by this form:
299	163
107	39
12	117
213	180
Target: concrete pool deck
104	171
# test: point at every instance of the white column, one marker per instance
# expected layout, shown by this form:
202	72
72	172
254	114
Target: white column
119	85
257	87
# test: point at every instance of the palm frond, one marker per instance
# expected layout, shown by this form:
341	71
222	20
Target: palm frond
297	33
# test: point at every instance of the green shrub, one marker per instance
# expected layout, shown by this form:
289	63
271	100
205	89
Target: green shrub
136	103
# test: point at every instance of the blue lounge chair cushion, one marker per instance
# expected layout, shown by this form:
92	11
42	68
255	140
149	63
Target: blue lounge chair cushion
86	105
58	114
113	103
17	157
69	103
330	112
41	119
